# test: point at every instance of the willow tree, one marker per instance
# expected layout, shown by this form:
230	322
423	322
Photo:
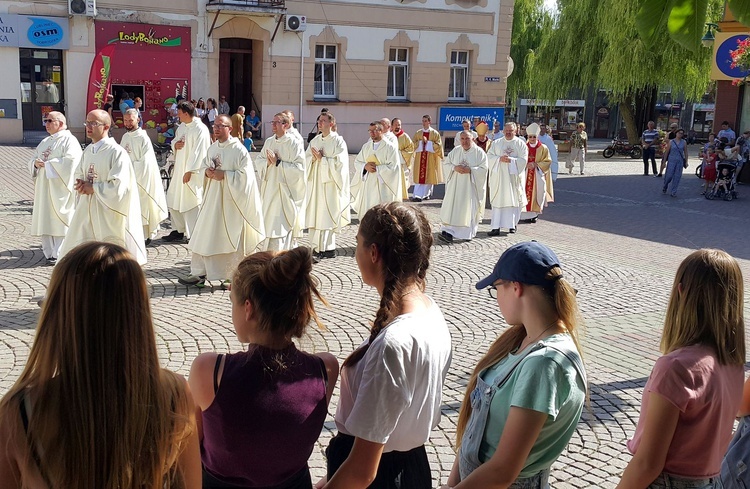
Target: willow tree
595	44
531	22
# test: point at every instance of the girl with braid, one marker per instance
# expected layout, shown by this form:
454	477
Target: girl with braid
391	385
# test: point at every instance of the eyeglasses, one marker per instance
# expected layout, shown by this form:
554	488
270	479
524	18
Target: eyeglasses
277	122
47	121
93	124
492	290
222	125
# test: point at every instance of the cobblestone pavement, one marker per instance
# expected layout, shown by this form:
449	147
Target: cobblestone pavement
620	241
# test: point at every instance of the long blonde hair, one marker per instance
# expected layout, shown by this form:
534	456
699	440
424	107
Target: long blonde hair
706	306
104	414
563	296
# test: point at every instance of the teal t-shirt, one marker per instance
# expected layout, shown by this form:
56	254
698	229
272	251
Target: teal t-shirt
545	381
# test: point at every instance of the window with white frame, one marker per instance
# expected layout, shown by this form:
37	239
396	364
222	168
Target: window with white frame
325	70
398	71
459	75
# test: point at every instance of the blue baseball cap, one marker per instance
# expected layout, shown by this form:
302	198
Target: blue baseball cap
527	263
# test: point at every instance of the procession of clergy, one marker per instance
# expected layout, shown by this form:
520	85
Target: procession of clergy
227	206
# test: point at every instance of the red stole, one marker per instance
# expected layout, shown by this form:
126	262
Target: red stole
423	159
531	177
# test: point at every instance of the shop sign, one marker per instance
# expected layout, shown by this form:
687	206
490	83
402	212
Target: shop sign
703	107
721	66
150	38
450	118
558	103
32	31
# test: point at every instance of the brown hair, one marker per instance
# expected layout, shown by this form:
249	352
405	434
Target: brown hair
706	306
104	413
403	236
281	289
563	296
284	117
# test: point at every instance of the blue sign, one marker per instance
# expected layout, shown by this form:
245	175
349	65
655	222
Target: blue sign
450	118
724	58
44	32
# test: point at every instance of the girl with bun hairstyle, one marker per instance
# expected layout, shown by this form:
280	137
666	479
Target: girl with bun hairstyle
525	397
260	411
694	391
391	385
93	408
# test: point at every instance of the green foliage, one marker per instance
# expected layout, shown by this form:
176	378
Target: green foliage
741	10
596	44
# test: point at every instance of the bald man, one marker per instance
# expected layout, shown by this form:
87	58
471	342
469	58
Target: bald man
52	169
108	207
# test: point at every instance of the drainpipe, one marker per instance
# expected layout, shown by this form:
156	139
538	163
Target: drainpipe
301	74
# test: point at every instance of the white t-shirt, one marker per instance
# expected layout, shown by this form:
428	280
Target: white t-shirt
393	394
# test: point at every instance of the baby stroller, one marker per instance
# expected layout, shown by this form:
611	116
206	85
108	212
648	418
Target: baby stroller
723	187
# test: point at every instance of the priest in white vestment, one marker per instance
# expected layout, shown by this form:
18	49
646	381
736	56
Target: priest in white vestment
291	129
546	139
465	171
327	188
108	207
53	170
185	193
230	224
406	150
507	161
150	189
281	169
378	169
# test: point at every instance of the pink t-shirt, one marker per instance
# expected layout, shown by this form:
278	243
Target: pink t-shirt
708	396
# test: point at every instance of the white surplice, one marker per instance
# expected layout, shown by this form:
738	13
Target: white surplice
230	224
113	212
507	180
150	188
327	188
54	197
382	186
463	204
184	197
282	187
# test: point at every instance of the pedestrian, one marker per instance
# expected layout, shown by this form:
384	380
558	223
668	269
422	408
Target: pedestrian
200	108
709	169
579	144
391	386
53	168
92	407
507	158
727	132
238	122
427	169
108	105
665	144
137	104
649	140
694	391
248	141
262	409
525	397
211	114
677	160
223	107
252	124
377	172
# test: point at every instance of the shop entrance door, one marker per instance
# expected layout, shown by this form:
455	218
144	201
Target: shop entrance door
41	86
236	73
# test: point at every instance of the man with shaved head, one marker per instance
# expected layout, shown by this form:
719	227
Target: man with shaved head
52	168
378	172
108	207
405	150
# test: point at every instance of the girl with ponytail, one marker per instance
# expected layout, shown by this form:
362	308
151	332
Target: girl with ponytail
261	410
391	385
526	395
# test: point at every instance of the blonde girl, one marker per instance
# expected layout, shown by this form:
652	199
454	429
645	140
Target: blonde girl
526	395
92	408
695	389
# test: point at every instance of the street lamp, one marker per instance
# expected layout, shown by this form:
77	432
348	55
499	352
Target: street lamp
708	38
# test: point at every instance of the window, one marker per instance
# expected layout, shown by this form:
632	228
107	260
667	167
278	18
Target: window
398	71
459	75
325	71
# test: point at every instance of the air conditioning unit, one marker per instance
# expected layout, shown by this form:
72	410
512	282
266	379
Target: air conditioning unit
82	7
295	23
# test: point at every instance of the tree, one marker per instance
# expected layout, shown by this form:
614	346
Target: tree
595	44
684	19
531	22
